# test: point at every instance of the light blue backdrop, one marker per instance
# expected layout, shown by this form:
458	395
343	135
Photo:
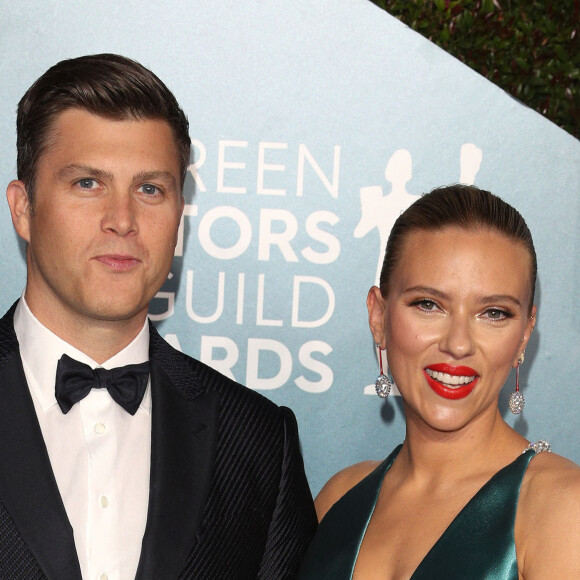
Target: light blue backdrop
314	123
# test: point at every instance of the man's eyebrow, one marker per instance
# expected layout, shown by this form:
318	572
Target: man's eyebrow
74	169
84	170
154	175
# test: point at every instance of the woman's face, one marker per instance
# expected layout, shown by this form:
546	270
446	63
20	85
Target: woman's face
454	322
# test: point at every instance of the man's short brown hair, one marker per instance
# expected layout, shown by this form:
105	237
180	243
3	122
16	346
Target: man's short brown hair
107	85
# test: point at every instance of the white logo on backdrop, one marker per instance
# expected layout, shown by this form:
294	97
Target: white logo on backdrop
278	235
380	211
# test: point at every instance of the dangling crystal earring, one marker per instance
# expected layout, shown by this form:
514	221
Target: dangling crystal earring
383	383
517	401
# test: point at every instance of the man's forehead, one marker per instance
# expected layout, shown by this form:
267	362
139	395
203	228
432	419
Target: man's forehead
79	125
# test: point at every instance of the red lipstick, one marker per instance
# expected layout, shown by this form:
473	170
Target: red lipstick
455	392
453	369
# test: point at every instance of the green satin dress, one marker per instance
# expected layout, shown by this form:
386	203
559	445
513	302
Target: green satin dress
479	543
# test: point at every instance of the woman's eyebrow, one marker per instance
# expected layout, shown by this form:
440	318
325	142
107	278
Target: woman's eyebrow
500	298
426	290
491	299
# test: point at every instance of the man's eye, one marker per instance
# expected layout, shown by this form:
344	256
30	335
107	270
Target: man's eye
149	189
87	183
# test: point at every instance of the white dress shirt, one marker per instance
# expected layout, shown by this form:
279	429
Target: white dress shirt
100	454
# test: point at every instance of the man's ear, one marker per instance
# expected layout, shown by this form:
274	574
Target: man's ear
19	204
376	308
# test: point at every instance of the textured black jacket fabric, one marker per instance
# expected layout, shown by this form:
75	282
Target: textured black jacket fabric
228	495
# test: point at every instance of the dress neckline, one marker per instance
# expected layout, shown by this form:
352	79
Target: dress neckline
379	474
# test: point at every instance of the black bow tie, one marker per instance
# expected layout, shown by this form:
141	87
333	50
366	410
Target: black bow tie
74	381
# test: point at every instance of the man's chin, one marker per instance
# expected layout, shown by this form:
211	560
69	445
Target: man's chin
115	311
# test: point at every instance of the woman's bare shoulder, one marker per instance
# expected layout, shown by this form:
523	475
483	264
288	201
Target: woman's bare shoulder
549	518
340	483
552	482
551	475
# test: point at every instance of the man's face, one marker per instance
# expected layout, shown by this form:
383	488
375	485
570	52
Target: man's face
102	230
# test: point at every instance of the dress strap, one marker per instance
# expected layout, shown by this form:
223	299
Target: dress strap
539	446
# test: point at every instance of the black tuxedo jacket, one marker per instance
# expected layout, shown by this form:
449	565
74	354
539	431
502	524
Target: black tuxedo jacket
228	495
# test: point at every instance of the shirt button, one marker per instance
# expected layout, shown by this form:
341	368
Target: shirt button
99	430
103	577
104	501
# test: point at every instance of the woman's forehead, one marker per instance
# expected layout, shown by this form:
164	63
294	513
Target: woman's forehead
453	256
451	237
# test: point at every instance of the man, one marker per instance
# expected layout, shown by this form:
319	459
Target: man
170	470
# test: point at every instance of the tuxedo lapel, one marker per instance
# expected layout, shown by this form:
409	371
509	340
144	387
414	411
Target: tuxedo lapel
183	439
28	488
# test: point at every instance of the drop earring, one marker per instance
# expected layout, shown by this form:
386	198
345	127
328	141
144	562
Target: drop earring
383	383
517	401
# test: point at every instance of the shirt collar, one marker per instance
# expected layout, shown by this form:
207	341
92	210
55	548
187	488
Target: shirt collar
41	349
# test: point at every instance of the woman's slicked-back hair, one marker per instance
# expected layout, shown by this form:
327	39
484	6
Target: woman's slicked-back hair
107	85
462	206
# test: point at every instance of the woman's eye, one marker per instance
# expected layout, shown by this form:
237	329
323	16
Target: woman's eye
496	314
149	189
427	305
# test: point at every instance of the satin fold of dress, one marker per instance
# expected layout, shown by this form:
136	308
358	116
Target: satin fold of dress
479	543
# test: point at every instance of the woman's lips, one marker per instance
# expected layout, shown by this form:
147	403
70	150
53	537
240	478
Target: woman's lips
452	369
451	381
118	261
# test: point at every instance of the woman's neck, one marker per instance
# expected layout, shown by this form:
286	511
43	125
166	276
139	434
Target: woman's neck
484	445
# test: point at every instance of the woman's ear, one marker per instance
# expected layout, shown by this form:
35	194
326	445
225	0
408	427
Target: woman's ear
376	308
530	324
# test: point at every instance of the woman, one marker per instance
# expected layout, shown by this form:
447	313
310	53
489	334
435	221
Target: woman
465	496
